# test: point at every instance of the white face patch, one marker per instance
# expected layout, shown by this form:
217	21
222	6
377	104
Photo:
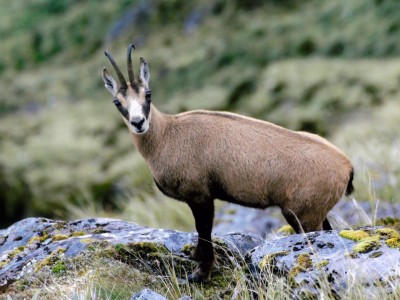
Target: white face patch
135	110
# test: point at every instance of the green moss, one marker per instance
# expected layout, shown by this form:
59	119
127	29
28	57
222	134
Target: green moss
269	259
304	260
393	242
387	233
119	247
39	238
392	222
60	237
49	260
230	211
304	263
15	252
355	235
367	245
322	264
60	225
99	230
375	254
146	248
3	263
135	250
79	233
59	267
351	255
88	241
286	230
188	248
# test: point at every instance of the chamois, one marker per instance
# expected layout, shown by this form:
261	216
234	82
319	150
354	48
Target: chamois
200	155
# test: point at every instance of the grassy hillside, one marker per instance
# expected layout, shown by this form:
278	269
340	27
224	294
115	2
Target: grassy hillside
329	67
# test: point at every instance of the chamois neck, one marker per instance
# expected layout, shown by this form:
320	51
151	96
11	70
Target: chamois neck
147	144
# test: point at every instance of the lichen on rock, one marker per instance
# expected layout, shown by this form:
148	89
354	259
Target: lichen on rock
286	230
367	244
268	260
393	242
355	235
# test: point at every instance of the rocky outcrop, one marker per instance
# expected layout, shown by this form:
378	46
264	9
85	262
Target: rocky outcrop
32	243
306	260
333	258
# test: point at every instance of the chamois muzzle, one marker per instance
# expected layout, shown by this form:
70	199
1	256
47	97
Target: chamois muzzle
138	122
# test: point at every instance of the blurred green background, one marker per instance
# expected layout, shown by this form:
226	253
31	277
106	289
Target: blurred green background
329	67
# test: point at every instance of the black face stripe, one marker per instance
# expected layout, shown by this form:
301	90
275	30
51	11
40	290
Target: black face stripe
146	108
124	112
146	104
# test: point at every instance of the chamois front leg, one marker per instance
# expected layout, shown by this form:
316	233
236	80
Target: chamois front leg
203	212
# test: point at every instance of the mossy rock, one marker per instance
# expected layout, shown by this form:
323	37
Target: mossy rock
286	230
50	260
321	264
59	267
304	263
269	260
60	237
393	242
355	235
367	245
387	233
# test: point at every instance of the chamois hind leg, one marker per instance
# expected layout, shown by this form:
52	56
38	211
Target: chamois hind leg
203	212
326	225
306	221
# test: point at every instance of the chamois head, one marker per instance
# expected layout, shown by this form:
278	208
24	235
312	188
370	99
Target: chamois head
132	98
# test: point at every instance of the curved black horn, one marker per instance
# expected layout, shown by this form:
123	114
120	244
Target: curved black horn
129	60
121	78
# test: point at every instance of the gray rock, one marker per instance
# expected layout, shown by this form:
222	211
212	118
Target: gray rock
236	218
354	213
263	222
317	257
30	241
305	259
147	294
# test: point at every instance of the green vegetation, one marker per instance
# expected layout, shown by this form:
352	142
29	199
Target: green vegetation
367	245
368	241
355	235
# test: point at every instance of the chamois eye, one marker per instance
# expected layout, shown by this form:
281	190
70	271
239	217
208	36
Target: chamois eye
148	94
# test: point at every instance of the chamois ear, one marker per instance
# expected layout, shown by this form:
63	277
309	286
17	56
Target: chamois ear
144	72
110	83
